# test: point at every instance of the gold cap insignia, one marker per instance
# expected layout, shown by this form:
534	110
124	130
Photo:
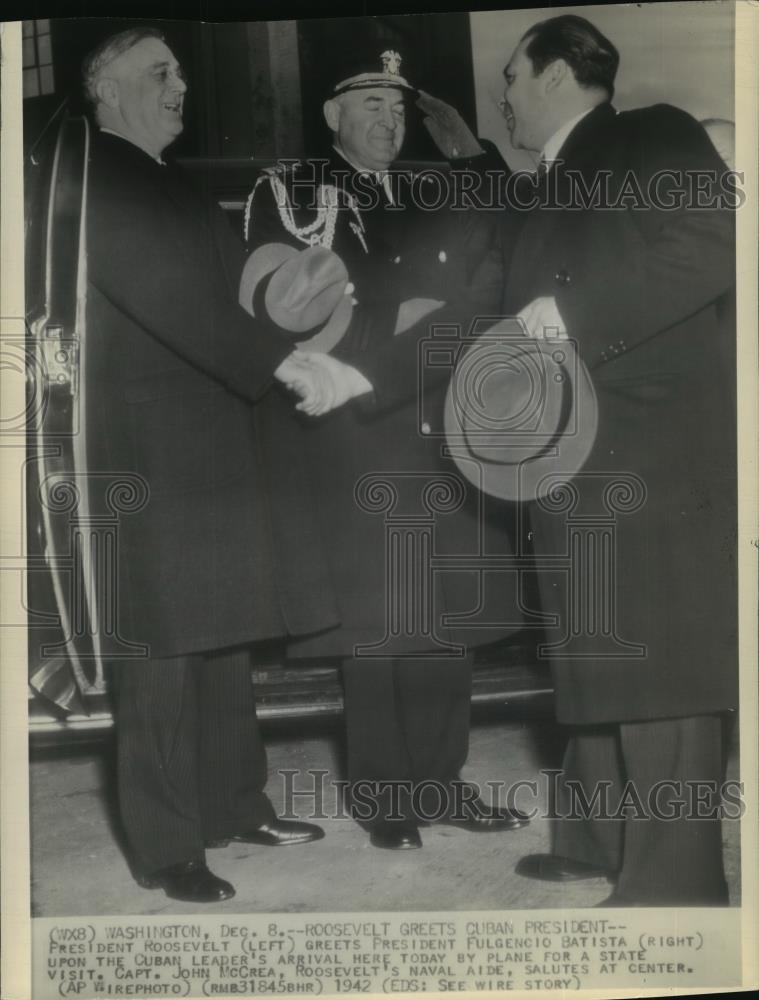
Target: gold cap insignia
391	62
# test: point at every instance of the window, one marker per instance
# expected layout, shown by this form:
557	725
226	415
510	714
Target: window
38	58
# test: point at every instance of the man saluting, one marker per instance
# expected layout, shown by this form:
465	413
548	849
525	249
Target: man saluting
407	633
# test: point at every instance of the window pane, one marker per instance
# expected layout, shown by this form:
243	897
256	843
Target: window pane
29	57
46	79
44	50
43	24
31	86
27	28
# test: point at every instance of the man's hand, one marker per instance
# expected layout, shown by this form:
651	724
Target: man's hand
301	378
543	319
336	383
449	131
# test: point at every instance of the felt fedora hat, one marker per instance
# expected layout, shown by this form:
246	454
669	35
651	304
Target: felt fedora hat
521	414
305	293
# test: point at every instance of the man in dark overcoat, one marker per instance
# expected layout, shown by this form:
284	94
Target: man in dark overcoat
173	368
386	500
626	246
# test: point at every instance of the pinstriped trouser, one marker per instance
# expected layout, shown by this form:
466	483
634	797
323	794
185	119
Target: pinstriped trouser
660	861
191	762
407	720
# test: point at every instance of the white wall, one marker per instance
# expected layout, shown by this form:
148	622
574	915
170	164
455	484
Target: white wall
679	53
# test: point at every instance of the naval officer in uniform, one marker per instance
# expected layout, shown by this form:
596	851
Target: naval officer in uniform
406	648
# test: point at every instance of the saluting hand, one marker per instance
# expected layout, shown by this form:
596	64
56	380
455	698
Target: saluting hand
449	131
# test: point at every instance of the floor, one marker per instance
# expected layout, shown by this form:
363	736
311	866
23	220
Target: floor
78	866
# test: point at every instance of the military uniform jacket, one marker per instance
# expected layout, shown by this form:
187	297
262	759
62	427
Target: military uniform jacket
174	370
652	588
385	497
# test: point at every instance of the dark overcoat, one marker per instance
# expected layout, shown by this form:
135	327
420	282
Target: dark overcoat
373	464
654	604
173	369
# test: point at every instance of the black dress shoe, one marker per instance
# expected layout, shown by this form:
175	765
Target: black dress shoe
190	881
278	833
478	817
395	835
555	868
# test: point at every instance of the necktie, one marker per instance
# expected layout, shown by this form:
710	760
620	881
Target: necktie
384	187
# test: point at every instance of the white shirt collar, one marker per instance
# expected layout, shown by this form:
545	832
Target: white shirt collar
126	138
381	176
553	146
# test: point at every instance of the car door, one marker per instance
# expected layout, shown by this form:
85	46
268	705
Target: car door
65	662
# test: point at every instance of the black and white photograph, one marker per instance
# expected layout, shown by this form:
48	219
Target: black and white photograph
379	514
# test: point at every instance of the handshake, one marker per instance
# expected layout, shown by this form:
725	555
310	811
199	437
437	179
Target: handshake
322	382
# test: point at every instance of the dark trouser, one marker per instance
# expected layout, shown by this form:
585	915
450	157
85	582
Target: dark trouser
191	763
660	861
407	721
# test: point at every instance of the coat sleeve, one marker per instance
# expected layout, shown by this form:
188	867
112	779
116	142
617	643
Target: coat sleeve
642	269
417	361
159	262
479	185
422	358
